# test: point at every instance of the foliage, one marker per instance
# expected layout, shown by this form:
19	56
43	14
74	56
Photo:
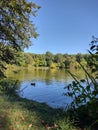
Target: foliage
16	28
79	57
9	86
48	59
67	63
84	92
67	124
5	52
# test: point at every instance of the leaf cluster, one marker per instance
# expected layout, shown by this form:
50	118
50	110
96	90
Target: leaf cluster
85	91
9	86
16	29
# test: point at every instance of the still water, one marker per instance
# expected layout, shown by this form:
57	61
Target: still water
48	88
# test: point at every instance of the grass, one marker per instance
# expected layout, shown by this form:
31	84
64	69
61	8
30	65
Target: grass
22	114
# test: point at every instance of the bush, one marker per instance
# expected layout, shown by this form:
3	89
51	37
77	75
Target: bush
9	86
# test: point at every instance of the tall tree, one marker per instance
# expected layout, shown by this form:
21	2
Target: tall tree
49	58
16	27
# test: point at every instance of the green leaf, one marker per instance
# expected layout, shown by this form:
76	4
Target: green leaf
92	47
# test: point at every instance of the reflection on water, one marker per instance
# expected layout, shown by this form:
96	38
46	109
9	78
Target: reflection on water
51	93
49	85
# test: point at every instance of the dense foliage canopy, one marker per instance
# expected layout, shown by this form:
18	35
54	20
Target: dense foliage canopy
16	28
50	60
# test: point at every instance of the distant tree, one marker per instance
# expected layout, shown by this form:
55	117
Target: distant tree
42	61
28	59
79	57
53	66
16	27
58	58
67	63
49	58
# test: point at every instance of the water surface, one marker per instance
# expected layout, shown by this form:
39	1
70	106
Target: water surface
49	85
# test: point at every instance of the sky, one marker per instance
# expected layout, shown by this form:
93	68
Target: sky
65	26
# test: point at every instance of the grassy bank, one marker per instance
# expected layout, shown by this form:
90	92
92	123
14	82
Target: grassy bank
22	114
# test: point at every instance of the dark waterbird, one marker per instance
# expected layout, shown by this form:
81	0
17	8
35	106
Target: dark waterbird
33	84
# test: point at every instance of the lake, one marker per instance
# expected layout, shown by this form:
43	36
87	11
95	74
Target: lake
48	88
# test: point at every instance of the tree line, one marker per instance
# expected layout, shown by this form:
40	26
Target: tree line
61	61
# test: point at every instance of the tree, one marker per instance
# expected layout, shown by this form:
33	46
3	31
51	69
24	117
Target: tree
16	27
49	58
79	57
59	59
67	63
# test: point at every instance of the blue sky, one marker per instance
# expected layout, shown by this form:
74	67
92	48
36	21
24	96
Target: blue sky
65	26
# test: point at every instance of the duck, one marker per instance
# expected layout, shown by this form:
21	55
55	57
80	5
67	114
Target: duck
33	84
